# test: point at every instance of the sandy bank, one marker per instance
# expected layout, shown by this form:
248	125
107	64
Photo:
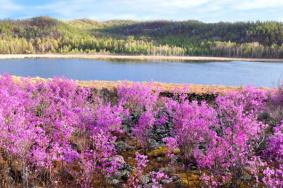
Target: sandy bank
137	57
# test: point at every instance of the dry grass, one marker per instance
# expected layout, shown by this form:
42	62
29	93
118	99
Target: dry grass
188	88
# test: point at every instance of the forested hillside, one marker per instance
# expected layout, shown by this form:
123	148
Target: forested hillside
48	35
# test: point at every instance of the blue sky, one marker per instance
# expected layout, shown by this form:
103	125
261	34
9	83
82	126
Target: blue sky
204	10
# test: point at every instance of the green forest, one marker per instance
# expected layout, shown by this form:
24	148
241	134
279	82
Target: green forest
191	38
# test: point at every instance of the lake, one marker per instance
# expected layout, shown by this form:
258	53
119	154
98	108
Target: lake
233	73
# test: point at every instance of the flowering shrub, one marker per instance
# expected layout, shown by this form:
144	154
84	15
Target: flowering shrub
56	133
154	179
140	165
137	97
193	128
220	137
274	149
158	178
273	177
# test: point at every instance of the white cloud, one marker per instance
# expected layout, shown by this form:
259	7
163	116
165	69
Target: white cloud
124	9
258	4
206	10
7	6
167	3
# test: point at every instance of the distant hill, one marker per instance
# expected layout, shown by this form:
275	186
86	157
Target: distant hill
48	35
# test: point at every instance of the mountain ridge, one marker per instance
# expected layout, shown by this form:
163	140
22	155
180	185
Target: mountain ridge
157	37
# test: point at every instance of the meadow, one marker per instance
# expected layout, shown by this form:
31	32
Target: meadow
58	133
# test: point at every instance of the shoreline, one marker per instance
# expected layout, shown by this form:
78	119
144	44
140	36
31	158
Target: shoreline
165	87
134	57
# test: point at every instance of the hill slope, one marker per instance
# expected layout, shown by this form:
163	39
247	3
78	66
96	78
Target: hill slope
48	35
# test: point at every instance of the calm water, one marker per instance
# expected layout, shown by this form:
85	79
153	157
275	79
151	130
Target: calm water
222	73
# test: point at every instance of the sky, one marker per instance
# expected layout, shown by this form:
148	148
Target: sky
203	10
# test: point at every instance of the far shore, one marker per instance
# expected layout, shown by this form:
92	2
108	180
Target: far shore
135	57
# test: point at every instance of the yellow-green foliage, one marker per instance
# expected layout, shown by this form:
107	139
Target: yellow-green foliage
48	35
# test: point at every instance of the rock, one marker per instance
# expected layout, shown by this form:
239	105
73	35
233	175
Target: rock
145	180
115	182
165	181
175	178
158	159
150	185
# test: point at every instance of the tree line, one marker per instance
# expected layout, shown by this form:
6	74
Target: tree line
48	35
